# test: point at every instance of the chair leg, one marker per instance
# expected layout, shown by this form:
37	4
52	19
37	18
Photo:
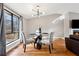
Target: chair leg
34	45
24	46
52	46
49	49
39	46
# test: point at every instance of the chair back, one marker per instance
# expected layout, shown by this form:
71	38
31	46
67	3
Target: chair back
45	36
23	37
51	36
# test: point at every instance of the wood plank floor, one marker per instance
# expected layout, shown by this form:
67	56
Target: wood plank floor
59	50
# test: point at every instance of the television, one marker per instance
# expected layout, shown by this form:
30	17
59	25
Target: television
75	24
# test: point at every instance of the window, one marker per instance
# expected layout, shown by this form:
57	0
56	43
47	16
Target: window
16	26
11	26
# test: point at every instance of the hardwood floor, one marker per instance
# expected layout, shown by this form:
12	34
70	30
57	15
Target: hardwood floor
59	50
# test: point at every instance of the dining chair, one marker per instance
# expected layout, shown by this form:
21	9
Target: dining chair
47	39
26	41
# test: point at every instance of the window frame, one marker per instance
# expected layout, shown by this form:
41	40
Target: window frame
12	31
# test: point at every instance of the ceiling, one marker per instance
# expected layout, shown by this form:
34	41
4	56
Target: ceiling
25	9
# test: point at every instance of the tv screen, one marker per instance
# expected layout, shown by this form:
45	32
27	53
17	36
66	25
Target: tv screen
75	23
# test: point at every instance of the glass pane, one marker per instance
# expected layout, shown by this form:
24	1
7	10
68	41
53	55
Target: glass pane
7	17
16	26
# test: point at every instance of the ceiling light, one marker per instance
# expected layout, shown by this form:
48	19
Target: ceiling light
37	11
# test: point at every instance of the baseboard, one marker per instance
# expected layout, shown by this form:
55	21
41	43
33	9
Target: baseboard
55	38
12	45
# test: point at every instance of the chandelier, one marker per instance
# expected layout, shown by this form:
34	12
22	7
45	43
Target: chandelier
37	11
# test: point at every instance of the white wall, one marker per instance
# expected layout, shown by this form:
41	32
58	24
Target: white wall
60	29
46	24
66	25
25	26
